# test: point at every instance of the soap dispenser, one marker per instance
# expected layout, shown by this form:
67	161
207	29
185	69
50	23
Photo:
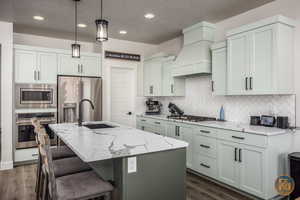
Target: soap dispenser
222	114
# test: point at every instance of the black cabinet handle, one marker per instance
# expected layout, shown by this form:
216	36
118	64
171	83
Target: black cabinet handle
34	155
240	155
236	137
172	88
204	165
235	154
212	86
157	122
143	120
251	83
204	146
246	81
203	131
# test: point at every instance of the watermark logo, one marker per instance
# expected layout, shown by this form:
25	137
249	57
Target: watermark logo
285	185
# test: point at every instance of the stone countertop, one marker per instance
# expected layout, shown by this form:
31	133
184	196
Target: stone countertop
121	141
234	126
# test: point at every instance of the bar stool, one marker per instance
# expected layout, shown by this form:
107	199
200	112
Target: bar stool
79	186
57	152
61	167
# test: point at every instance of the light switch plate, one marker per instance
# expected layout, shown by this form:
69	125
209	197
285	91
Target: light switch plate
132	165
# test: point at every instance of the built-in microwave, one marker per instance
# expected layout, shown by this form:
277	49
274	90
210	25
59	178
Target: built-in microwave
35	95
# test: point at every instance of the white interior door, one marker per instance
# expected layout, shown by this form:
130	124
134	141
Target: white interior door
123	95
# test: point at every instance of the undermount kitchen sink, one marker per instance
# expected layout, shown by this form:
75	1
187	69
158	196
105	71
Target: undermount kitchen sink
98	126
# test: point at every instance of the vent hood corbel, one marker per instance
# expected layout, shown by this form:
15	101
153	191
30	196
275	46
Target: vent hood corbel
195	56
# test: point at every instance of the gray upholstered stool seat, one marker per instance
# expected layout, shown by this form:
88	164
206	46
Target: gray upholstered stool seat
83	185
60	152
67	166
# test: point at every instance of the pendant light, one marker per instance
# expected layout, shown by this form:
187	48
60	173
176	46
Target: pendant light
102	27
75	46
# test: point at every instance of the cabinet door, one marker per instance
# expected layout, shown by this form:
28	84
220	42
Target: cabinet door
47	68
262	47
147	74
219	71
91	65
187	136
238	64
156	77
172	130
167	79
68	65
252	170
25	66
228	169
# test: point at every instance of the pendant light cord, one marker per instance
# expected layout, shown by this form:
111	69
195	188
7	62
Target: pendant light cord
101	9
75	22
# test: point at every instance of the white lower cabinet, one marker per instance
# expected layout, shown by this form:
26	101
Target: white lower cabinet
245	161
242	166
228	170
252	170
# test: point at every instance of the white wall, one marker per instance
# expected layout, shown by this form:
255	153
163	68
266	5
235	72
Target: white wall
6	41
56	43
197	95
127	47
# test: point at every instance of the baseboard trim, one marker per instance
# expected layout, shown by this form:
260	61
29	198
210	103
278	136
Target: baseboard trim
6	165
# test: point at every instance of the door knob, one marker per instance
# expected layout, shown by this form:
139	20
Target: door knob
129	113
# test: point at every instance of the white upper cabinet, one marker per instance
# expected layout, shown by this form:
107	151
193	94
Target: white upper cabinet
153	76
260	58
171	86
219	68
25	66
32	66
91	65
158	79
47	64
68	65
87	65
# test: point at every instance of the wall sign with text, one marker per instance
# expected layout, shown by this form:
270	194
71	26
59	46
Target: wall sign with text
122	56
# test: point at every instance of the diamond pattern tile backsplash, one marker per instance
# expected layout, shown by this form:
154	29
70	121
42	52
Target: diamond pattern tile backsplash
200	101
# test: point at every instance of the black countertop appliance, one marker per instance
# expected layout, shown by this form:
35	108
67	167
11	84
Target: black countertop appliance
174	110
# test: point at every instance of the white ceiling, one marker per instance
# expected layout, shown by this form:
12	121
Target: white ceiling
171	16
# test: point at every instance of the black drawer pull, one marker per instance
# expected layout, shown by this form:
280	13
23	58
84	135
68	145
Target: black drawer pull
240	155
34	155
203	131
236	137
204	146
143	120
157	122
204	165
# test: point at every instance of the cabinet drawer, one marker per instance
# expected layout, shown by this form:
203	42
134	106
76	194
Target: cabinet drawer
205	145
205	165
26	155
206	131
243	138
141	120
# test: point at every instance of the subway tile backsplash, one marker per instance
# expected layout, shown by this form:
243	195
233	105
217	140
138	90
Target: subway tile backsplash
200	101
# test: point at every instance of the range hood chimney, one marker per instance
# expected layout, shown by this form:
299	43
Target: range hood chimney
195	56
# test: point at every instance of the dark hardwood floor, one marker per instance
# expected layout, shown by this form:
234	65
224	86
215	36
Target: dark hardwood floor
19	183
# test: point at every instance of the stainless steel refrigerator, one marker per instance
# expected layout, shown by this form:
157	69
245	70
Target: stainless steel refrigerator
71	89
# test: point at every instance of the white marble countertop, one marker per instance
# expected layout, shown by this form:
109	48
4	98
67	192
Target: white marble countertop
121	141
234	126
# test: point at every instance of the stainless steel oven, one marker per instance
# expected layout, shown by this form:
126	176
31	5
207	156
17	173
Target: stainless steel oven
36	95
25	137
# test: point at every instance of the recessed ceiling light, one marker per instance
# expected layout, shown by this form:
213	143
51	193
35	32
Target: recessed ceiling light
149	16
82	25
123	32
39	18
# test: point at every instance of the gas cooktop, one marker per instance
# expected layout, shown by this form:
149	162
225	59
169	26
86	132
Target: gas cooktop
191	118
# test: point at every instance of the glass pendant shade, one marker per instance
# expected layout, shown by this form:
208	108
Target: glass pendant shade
75	50
102	30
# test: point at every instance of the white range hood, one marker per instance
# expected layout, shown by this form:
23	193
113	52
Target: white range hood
195	56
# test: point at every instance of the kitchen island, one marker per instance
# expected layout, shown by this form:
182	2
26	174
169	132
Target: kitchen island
142	165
